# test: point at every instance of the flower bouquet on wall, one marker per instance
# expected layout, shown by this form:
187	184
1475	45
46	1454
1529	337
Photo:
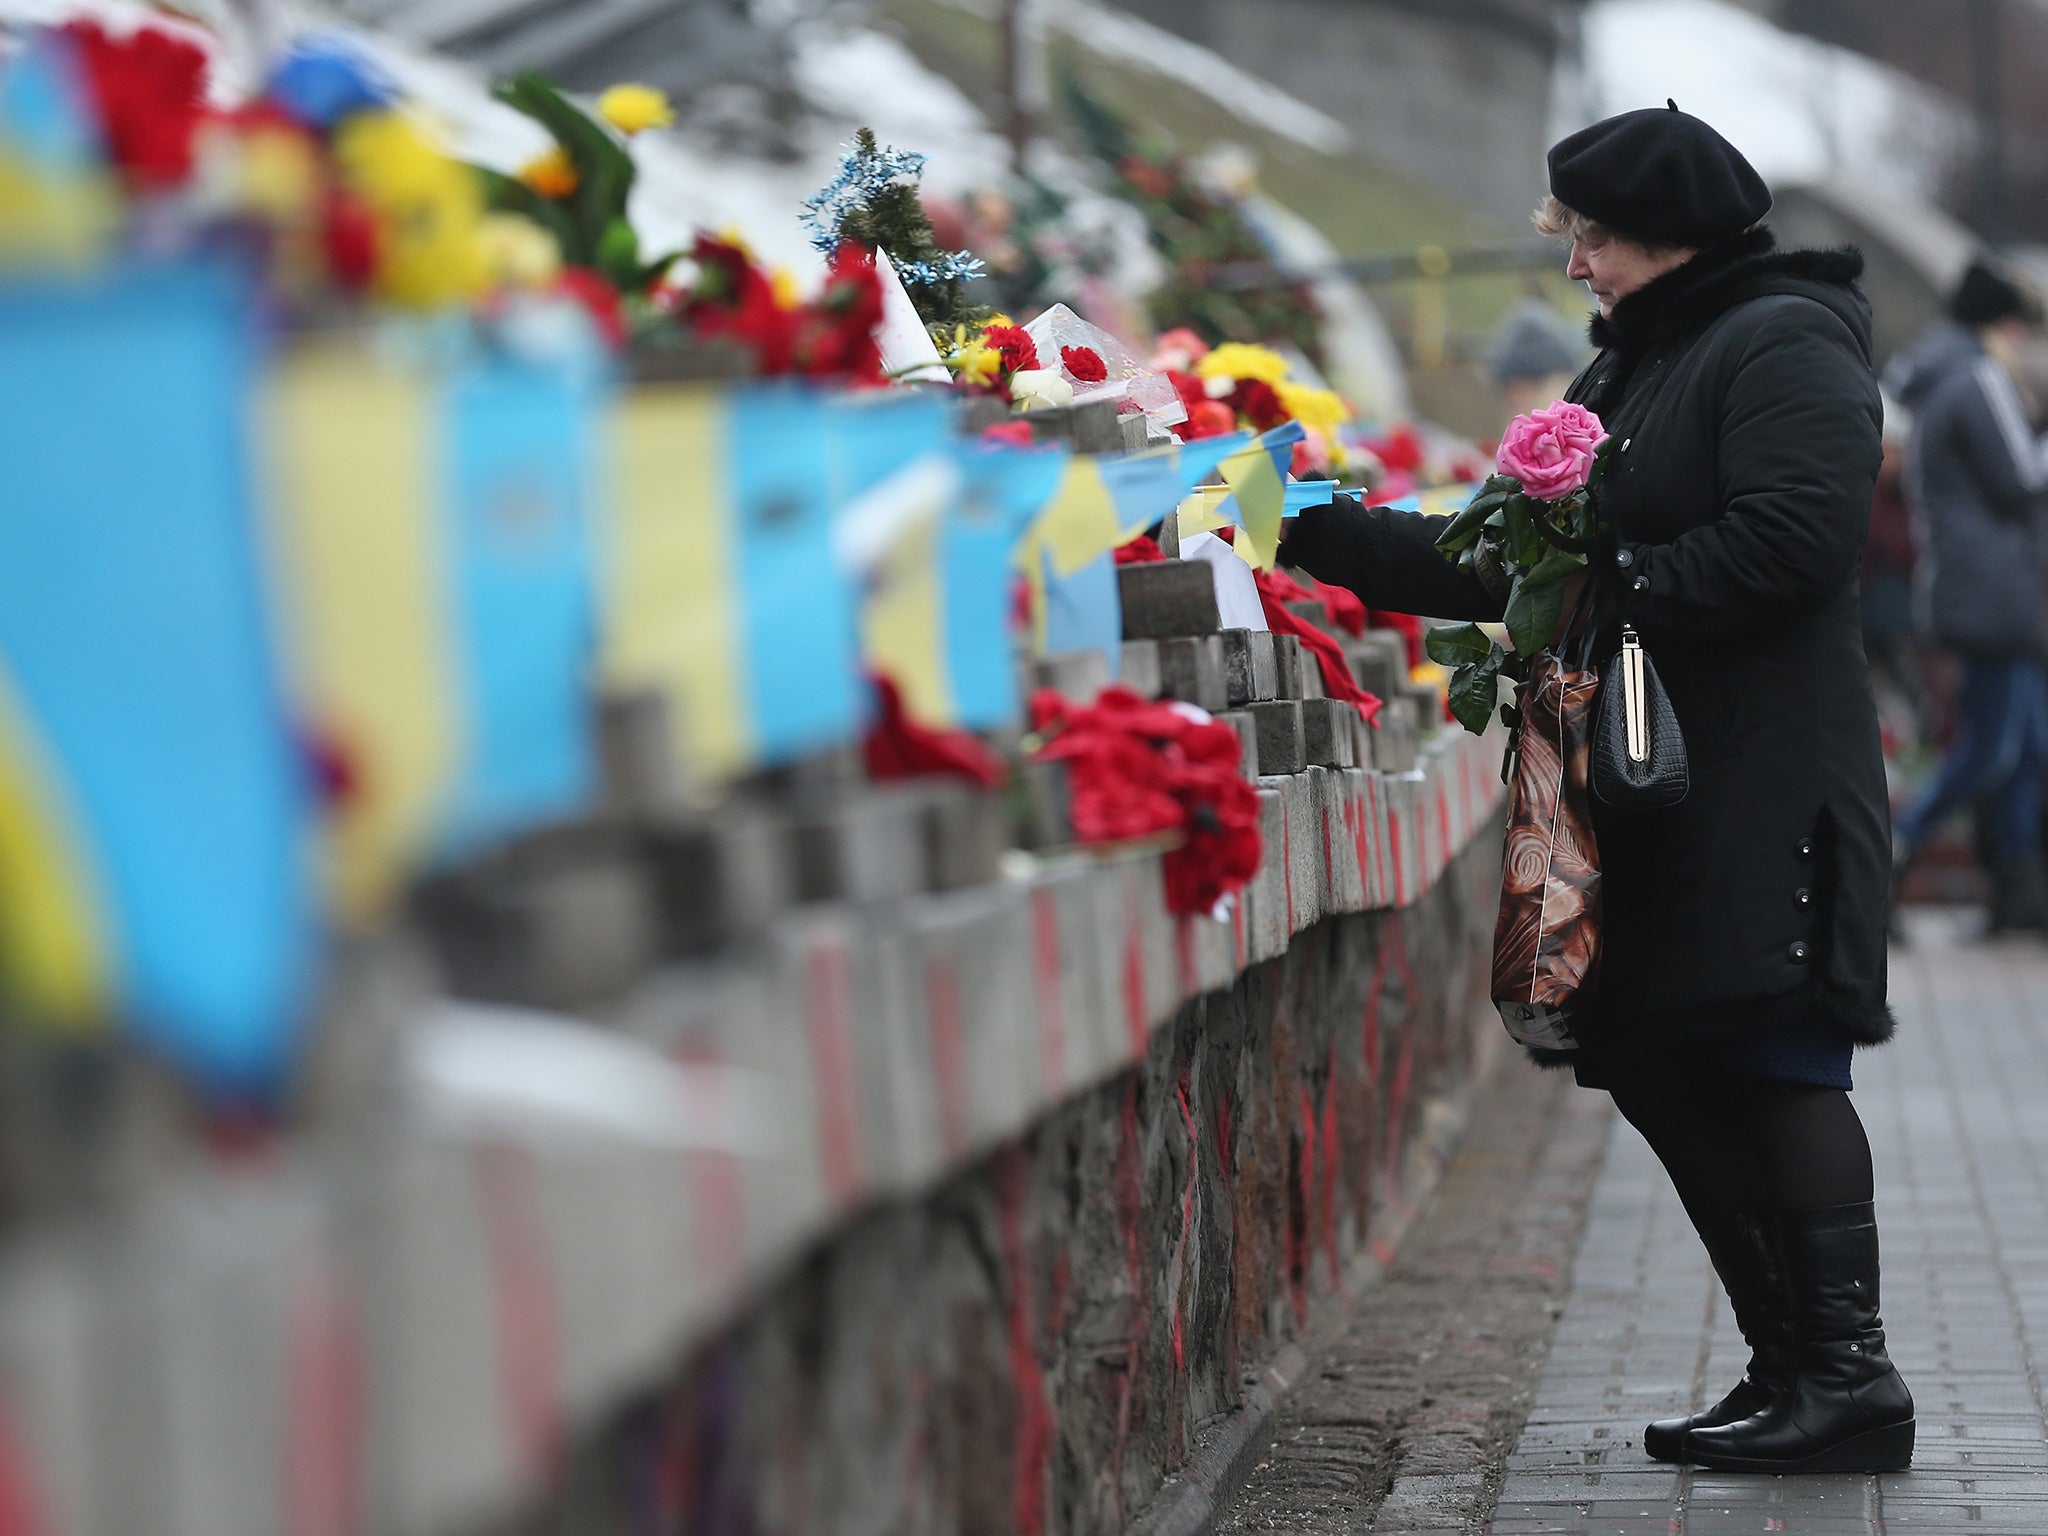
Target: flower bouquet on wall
1524	536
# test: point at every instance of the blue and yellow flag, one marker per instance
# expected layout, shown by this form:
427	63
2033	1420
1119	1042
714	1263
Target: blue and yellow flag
156	811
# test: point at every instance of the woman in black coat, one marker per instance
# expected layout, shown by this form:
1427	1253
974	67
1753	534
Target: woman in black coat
1744	942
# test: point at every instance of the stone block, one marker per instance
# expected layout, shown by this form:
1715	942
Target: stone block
1282	746
437	1437
1166	598
558	919
1250	671
1081	1034
1090	427
1379	660
636	753
1247	730
1191	670
1041	799
1326	730
718	878
1136	937
1350	847
980	412
1310	610
1287	666
1075	675
966	832
1269	919
1300	848
865	845
1132	425
1395	745
1311	675
1138	667
973	993
745	1030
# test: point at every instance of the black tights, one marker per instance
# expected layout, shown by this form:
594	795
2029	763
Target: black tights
1734	1140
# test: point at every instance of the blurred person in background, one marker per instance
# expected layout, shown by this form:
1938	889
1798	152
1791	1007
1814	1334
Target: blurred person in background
1977	480
1889	637
1534	357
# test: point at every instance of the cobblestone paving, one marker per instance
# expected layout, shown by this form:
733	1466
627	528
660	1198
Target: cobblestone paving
1957	1110
1419	1393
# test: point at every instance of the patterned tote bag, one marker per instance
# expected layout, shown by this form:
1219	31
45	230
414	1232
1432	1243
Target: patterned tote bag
1546	940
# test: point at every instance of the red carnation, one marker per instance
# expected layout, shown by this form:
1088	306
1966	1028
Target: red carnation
348	235
1190	389
1259	403
150	91
1013	434
1015	345
1209	418
1085	364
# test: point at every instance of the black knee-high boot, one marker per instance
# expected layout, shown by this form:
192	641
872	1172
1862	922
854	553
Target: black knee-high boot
1846	1410
1743	1250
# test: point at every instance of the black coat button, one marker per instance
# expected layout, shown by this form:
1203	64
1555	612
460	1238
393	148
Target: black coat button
1803	896
1624	558
1797	953
1806	847
1642	583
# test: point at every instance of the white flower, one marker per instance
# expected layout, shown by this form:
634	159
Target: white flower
1034	387
1219	386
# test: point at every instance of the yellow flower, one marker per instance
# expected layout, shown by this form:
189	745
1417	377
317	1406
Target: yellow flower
975	363
1322	409
635	108
429	210
552	174
518	253
1241	360
278	175
998	318
782	284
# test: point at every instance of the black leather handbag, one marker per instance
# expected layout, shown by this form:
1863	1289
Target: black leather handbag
1639	761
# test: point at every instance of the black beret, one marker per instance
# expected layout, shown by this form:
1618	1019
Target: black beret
1986	296
1660	176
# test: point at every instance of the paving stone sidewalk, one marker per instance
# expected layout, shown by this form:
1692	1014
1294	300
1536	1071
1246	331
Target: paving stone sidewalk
1957	1110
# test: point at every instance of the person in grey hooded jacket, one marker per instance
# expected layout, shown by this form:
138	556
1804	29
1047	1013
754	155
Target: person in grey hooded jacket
1977	477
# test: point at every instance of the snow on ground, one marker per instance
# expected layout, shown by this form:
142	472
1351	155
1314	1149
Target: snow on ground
1800	109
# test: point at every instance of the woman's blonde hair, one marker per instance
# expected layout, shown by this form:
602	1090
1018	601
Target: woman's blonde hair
1562	221
1556	219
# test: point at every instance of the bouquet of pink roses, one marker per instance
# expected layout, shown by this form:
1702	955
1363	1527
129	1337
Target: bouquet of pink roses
1525	532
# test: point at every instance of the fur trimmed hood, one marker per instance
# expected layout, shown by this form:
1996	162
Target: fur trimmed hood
1686	298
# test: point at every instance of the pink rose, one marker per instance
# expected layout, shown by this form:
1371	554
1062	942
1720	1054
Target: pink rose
1551	451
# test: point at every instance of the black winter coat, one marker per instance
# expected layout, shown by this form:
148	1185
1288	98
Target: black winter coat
1976	477
1740	392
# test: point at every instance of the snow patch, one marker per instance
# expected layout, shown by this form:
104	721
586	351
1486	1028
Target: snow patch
1801	110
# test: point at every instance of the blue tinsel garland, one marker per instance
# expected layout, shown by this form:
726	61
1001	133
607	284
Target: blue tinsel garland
859	179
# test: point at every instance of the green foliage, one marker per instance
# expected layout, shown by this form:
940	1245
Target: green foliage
1475	689
1457	645
889	216
590	224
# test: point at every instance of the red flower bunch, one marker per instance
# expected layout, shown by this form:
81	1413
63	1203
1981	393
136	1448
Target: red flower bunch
1206	417
1085	364
831	337
898	747
1259	403
1014	344
149	89
1139	769
835	332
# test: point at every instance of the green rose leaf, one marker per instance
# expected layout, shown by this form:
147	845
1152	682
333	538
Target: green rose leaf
1533	612
1553	569
1475	689
1465	524
1457	645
